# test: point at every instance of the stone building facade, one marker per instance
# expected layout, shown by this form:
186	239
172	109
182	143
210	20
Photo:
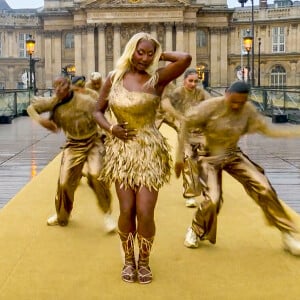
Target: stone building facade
91	34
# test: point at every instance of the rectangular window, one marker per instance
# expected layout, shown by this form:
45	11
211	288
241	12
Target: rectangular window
278	80
22	44
278	41
201	39
69	41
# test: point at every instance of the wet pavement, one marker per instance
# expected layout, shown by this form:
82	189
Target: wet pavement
26	148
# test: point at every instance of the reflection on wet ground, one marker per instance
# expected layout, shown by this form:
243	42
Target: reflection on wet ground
26	148
281	160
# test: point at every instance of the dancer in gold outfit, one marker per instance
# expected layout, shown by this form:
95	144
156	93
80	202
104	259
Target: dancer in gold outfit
166	112
183	98
137	157
95	82
223	121
72	111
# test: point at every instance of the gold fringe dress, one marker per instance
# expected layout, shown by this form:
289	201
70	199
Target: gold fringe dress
144	160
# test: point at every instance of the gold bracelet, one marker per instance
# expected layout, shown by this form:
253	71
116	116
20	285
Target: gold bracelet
111	128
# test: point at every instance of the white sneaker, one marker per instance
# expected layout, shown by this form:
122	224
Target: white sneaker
109	223
290	243
52	221
190	202
191	239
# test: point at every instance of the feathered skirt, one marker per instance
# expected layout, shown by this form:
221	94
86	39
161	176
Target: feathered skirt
144	161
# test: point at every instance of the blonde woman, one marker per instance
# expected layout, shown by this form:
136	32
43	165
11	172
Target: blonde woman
95	82
137	158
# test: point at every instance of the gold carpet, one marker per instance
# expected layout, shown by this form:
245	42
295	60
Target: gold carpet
39	262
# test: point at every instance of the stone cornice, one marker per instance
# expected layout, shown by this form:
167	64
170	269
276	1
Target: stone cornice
128	4
135	16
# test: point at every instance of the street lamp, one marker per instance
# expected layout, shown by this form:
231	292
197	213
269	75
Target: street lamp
69	71
30	45
258	75
200	72
248	45
252	32
30	48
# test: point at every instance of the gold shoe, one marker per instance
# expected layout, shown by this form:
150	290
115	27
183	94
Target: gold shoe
144	274
129	273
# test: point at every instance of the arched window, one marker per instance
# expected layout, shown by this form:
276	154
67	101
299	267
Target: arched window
69	41
278	76
201	38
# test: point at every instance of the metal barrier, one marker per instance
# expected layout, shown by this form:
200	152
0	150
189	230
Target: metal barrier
14	103
281	104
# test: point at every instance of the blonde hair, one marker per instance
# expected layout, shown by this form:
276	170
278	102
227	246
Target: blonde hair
125	61
95	76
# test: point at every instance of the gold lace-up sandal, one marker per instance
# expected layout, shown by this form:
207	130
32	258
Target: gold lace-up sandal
129	273
144	271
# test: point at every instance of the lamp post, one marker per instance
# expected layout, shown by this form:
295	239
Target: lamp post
258	75
247	41
30	45
200	72
203	75
252	32
69	71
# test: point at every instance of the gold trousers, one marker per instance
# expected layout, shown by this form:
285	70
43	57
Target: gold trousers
256	184
75	154
190	173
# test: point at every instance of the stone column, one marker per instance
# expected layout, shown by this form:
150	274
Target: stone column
293	37
10	47
293	76
192	43
78	49
90	50
117	44
153	30
169	39
215	76
179	46
102	52
179	37
11	83
38	43
48	60
56	60
223	66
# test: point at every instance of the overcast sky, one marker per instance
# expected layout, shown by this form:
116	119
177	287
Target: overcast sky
25	3
39	3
